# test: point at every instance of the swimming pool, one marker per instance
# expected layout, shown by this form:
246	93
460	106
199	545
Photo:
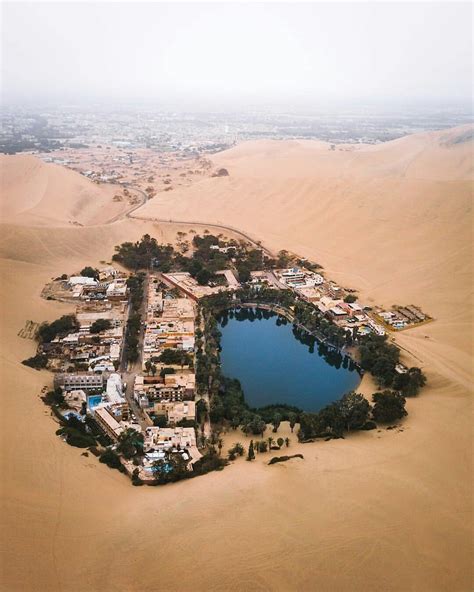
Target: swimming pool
93	401
166	468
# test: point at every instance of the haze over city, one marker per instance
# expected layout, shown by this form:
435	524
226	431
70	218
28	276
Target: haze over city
204	55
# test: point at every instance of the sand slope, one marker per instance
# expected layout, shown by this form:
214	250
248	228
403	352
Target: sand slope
393	220
36	193
382	510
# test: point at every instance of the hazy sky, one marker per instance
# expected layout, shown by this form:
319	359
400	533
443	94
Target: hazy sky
251	52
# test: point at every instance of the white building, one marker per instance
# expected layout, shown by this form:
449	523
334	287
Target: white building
377	329
77	280
114	389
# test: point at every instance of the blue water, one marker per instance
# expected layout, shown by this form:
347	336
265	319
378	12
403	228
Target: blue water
274	366
93	401
166	468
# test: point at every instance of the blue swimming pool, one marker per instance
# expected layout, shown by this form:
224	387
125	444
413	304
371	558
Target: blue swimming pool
93	401
166	468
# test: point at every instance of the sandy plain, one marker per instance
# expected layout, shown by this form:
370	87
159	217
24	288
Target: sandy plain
383	510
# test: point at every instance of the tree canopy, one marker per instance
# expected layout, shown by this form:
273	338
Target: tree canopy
389	406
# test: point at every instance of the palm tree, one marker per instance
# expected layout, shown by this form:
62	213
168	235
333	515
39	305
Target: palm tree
220	444
270	442
292	419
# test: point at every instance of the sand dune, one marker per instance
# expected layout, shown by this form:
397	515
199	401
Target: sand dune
371	215
382	510
36	193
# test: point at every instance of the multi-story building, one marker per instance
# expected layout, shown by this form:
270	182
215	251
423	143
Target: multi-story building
81	381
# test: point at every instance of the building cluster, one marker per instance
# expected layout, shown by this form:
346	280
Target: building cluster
339	306
169	324
164	131
108	286
402	316
87	360
189	286
169	332
101	308
161	443
299	278
326	296
102	396
163	392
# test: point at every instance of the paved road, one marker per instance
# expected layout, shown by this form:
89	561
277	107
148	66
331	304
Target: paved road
274	281
126	214
247	237
144	199
130	370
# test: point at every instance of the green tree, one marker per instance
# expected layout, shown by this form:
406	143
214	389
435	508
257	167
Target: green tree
111	459
165	371
251	453
203	276
280	442
62	326
55	397
287	442
90	272
39	361
276	422
355	410
100	325
235	422
201	410
389	406
130	443
160	421
292	419
410	382
254	425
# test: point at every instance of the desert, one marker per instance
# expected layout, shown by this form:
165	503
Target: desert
387	510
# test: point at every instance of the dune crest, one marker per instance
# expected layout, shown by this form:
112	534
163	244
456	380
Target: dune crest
35	193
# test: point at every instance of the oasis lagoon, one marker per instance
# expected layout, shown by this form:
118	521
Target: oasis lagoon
277	364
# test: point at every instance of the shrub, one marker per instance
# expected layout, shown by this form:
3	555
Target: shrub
90	272
111	459
160	421
278	459
39	361
203	276
62	326
100	325
55	397
75	437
